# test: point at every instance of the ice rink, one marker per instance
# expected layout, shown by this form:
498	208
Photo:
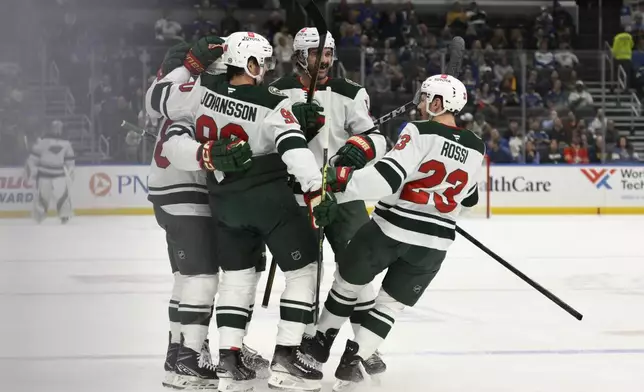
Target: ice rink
84	308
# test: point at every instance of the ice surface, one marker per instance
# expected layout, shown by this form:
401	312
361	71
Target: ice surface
84	308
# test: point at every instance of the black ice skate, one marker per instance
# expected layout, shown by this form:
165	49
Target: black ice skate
233	375
170	361
253	360
292	370
195	370
374	366
64	220
318	347
349	373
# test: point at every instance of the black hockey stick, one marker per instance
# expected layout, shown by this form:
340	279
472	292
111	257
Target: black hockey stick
316	16
456	53
521	275
135	128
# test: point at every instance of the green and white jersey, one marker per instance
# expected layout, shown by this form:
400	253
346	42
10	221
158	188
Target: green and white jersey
423	183
50	157
260	115
346	109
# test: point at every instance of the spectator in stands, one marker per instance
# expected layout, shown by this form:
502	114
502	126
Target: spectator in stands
544	58
283	52
558	131
480	126
623	151
498	154
379	81
599	123
597	153
273	25
369	30
557	98
508	91
545	21
486	100
456	17
623	51
565	57
553	155
580	97
395	72
476	18
469	82
575	153
167	29
612	134
366	10
229	24
390	29
350	36
251	23
532	98
499	40
515	138
502	68
531	155
202	26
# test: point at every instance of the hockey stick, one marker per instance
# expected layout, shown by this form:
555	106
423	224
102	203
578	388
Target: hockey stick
316	16
456	53
135	128
521	275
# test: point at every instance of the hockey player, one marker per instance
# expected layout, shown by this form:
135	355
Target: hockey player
51	164
256	206
177	189
353	139
423	183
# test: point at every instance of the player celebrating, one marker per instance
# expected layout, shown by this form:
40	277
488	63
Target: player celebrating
242	109
177	189
423	184
353	138
51	163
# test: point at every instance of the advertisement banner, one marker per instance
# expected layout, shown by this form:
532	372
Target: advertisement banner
514	189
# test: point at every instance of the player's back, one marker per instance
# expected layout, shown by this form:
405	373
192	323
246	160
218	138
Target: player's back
425	209
52	154
260	115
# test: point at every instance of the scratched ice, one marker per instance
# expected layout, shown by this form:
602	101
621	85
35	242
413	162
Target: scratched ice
84	309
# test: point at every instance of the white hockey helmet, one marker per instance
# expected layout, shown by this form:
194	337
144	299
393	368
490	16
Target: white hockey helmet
218	67
449	88
309	38
244	45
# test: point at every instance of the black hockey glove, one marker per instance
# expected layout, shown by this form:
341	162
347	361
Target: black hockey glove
338	177
173	59
310	117
322	213
226	155
356	152
203	53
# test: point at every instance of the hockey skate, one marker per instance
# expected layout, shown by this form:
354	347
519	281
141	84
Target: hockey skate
292	370
253	360
170	361
318	347
374	366
350	371
195	370
234	375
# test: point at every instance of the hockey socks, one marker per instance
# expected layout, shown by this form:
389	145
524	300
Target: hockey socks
195	308
234	306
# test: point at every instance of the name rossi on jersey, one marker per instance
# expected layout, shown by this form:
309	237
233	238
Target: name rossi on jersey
454	151
229	107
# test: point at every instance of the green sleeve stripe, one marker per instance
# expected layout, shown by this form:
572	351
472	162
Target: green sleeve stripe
471	200
390	175
279	138
291	143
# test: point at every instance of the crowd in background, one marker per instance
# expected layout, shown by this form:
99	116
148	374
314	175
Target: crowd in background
391	51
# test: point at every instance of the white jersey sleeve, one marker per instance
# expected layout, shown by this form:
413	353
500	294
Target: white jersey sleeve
174	97
51	156
358	121
292	147
180	146
388	174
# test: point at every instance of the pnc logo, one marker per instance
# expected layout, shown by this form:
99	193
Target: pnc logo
599	177
100	184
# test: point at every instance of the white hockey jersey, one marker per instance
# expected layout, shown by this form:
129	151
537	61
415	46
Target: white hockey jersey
176	182
262	116
50	157
422	183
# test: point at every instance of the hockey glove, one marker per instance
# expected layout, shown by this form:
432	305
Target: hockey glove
173	59
338	177
322	213
310	117
356	152
226	155
203	53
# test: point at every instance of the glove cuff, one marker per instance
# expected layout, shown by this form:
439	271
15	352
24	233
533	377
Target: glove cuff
204	156
365	144
193	64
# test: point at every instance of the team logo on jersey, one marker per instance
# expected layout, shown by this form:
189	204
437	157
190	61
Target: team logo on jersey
100	184
274	90
456	137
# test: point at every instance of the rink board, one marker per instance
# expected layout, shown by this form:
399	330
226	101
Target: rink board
514	190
